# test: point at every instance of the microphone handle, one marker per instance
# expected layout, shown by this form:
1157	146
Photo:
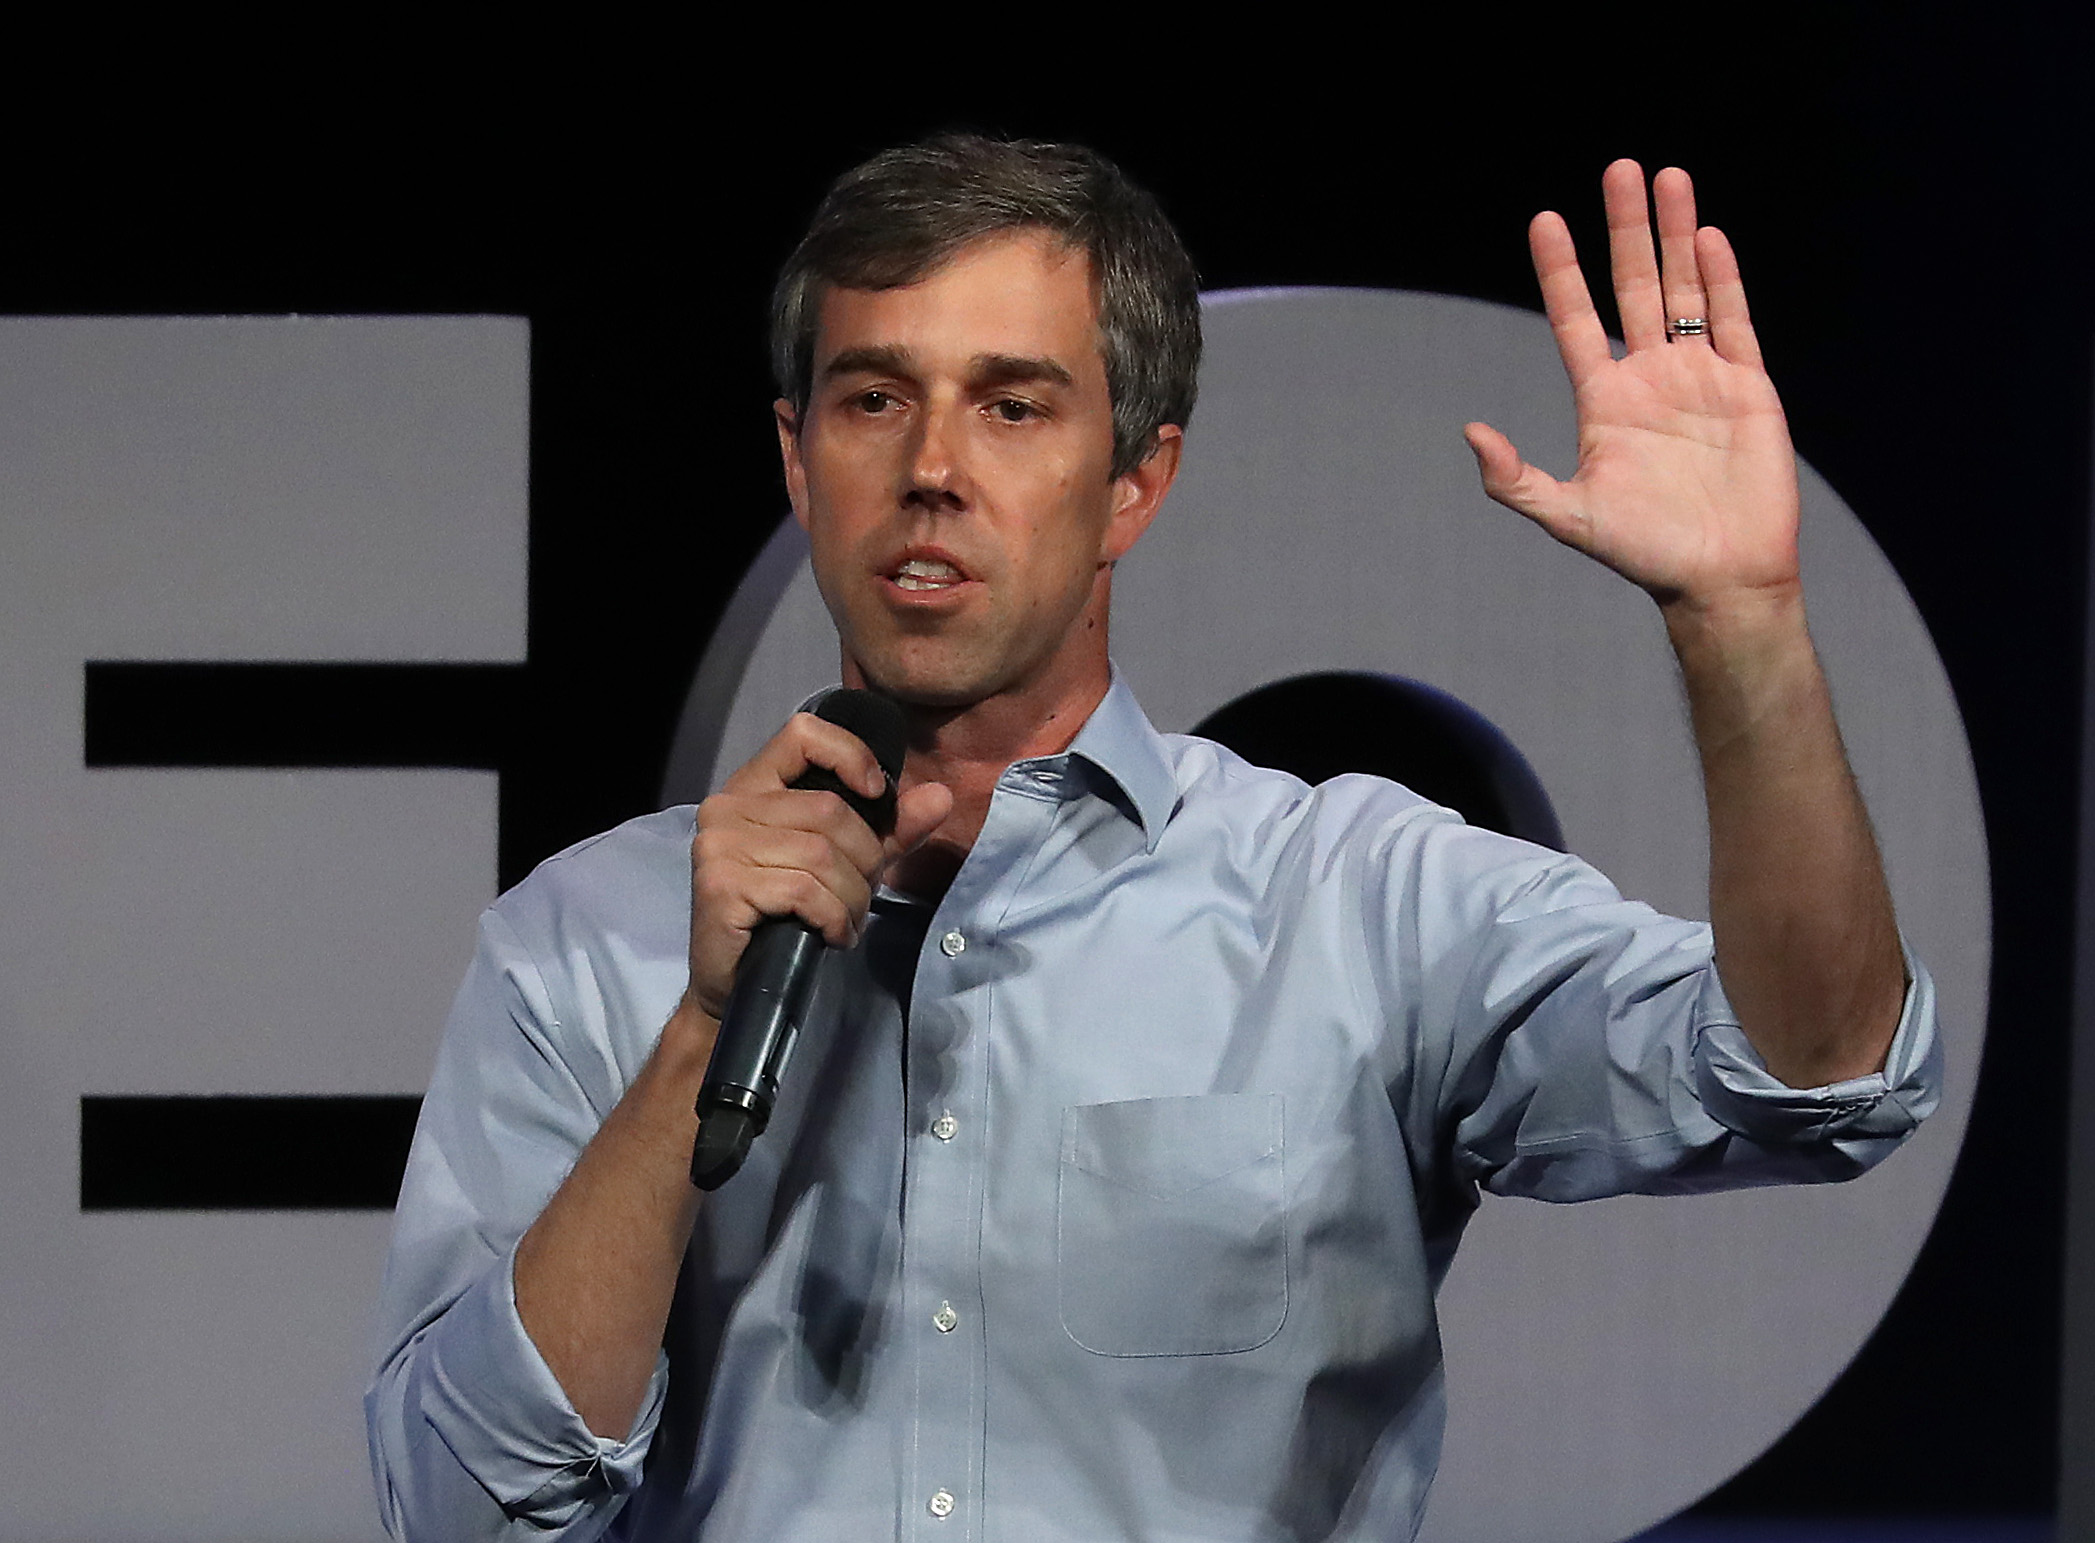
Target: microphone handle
772	986
774	982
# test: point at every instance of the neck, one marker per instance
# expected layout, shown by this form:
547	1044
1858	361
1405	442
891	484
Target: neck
969	748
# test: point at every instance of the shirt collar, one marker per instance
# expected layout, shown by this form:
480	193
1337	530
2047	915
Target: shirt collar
1119	740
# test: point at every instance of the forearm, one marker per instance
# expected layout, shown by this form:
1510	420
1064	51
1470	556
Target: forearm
1805	934
596	1271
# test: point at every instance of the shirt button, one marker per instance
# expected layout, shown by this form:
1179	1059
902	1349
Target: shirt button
946	1319
941	1504
944	1126
952	945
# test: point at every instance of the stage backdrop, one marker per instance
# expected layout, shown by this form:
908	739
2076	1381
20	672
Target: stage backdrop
211	901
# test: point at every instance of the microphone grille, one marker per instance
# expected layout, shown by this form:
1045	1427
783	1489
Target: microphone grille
874	719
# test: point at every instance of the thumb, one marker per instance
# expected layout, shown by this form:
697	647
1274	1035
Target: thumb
918	812
1498	464
1525	489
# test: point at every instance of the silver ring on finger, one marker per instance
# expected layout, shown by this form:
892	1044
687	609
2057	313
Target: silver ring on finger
1687	326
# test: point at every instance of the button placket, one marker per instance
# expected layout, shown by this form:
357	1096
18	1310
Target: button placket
942	1214
944	1196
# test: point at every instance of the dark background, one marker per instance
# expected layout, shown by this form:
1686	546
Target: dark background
1909	191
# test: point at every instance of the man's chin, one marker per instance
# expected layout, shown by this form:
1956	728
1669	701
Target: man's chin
929	695
932	688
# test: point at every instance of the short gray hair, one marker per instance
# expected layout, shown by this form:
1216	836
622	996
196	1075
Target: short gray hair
893	220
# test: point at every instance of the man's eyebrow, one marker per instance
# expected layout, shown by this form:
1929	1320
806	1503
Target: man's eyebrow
873	359
1012	369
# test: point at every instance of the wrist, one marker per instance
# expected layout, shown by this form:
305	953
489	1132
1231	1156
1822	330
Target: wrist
1731	617
1747	664
686	1046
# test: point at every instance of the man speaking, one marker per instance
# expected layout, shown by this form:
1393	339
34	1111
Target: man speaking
1143	1094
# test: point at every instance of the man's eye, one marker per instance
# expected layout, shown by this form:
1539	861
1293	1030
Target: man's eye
873	401
1013	411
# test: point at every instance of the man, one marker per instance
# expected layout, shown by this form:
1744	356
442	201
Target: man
1146	1093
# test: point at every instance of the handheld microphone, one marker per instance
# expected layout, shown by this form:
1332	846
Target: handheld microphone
775	977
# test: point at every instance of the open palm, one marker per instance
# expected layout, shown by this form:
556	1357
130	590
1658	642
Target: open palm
1686	483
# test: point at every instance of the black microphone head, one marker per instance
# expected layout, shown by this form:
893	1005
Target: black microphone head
881	724
874	719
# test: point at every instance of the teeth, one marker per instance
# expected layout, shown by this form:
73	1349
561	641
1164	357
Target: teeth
924	573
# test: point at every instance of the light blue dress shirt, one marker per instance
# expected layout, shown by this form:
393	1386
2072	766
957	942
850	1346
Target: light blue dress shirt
1106	1200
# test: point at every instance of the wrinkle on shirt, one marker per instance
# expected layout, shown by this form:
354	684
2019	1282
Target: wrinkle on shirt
1227	1059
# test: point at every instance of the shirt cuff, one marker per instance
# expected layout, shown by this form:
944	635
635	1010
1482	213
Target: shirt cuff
1861	1117
493	1401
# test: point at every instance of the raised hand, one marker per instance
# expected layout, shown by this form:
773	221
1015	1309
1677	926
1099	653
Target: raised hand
1686	483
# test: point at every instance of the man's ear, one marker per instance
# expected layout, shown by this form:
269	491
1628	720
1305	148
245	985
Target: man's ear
789	452
1138	494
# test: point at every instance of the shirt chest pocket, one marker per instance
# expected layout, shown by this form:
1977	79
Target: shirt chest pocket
1171	1225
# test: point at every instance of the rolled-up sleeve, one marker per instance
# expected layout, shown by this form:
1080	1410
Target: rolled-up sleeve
1595	1053
1847	1126
471	1435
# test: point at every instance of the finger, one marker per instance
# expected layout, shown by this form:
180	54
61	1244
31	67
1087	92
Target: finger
1523	488
1731	329
842	873
918	812
826	818
810	741
770	873
747	823
838	916
1631	258
844	861
731	898
1582	341
1681	275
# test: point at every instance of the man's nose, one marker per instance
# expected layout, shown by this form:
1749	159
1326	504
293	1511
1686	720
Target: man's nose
933	477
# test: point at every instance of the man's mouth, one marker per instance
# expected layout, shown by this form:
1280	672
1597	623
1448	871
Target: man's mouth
927	573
